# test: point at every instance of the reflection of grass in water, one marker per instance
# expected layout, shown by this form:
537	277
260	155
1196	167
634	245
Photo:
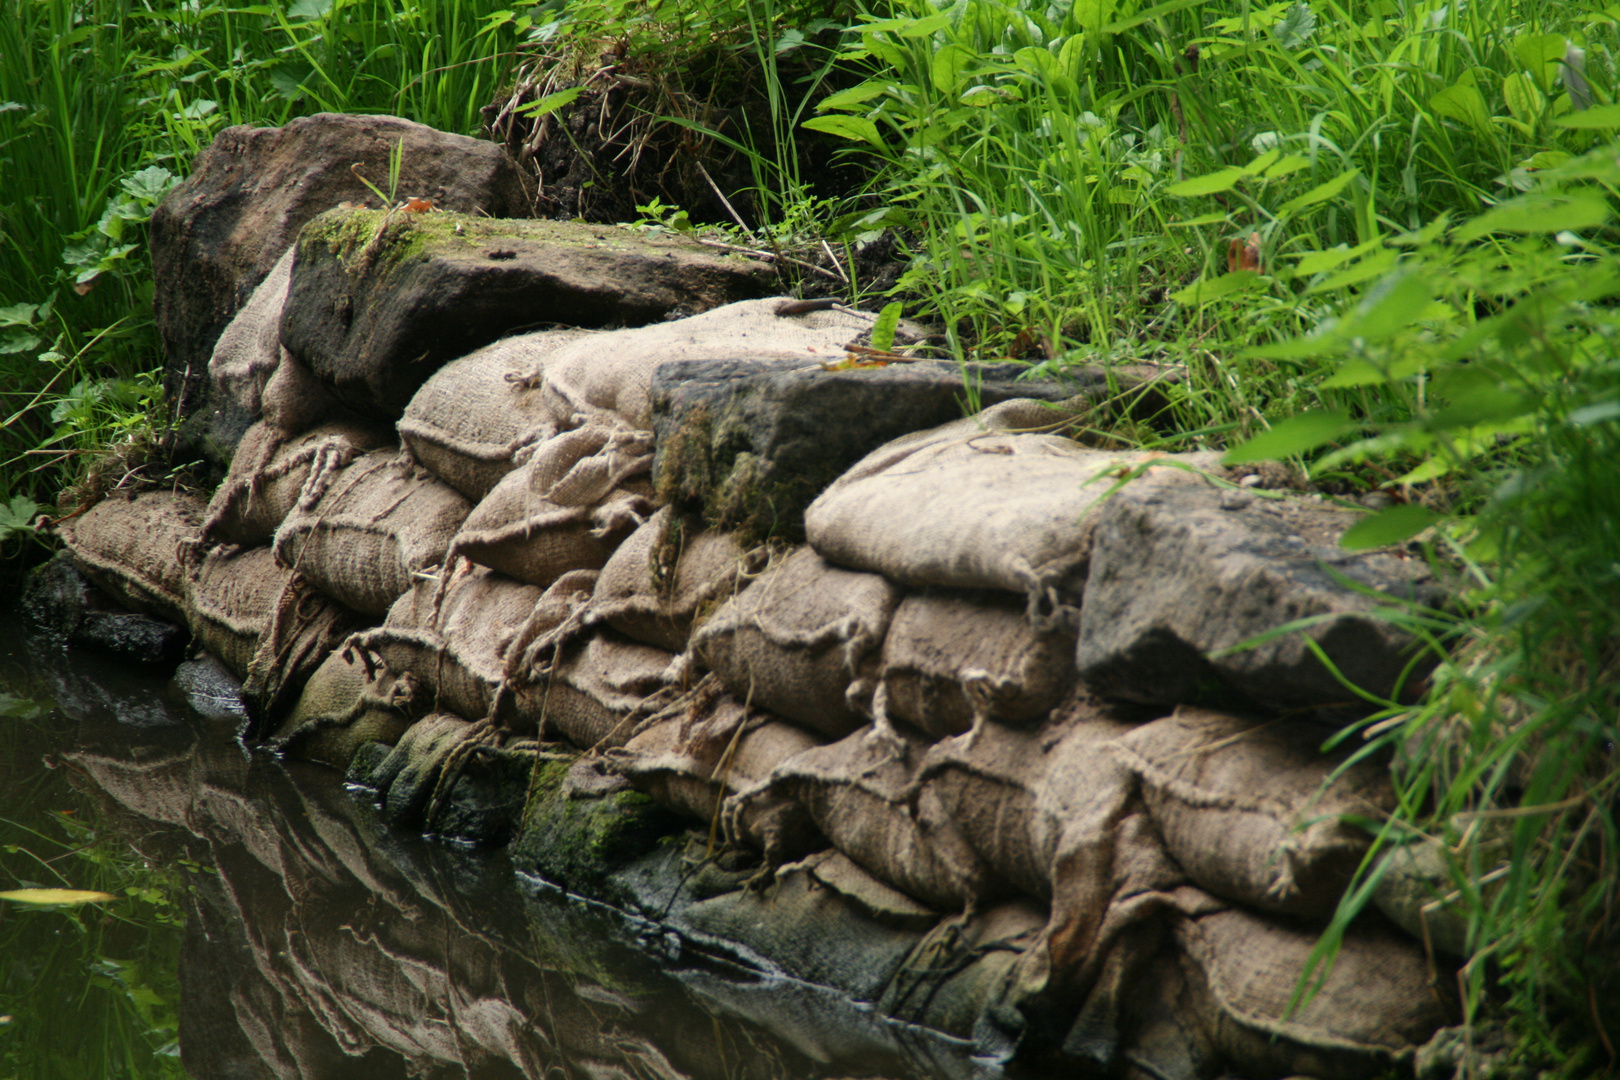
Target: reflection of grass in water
92	991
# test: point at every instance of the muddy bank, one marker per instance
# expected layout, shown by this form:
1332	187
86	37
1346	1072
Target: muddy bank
871	676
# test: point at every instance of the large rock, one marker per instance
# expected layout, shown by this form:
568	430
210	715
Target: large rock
379	302
1184	571
217	236
752	444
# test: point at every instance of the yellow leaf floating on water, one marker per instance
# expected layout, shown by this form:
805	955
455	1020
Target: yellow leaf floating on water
56	897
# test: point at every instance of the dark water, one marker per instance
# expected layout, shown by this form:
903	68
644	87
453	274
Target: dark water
267	925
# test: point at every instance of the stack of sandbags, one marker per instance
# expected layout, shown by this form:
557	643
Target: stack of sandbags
130	545
344	706
271	471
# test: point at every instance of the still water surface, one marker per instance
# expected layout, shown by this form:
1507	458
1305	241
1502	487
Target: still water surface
267	925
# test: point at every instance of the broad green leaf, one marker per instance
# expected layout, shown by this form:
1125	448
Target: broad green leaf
1262	162
1296	27
149	184
1391	526
18	314
1541	55
1524	98
1379	262
1287	166
1538	213
1119	26
1603	116
855	95
883	329
551	102
1391	305
916	28
309	9
56	897
857	128
1202	219
1208	184
1465	103
949	66
1316	262
1320	193
1296	435
1203	291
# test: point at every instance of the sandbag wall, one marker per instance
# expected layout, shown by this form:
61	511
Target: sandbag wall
906	718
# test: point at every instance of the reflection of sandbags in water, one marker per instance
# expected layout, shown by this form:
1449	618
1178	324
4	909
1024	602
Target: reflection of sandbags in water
597	691
664	576
1247	810
822	921
264	622
472	415
957	970
803	642
567	507
705	746
981	503
343	707
130	547
1376	1005
269	472
859	793
377	525
953	659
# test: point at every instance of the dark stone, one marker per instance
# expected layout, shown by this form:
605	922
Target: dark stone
752	444
211	688
68	607
217	235
379	302
485	800
1183	571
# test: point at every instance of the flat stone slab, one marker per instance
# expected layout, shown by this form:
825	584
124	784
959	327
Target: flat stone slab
752	443
378	302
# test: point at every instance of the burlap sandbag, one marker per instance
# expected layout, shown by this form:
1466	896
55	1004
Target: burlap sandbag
598	691
574	499
803	642
456	645
705	746
955	973
130	546
859	792
954	660
270	471
295	400
472	417
1377	1005
982	503
378	524
343	707
610	375
249	348
1248	810
266	623
668	573
1418	890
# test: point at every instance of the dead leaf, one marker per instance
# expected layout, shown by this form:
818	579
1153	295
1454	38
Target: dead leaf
1244	255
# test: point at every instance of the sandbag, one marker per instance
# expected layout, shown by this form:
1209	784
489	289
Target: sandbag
610	375
456	642
1247	809
1377	1005
295	400
859	793
954	660
803	642
982	503
472	416
668	573
378	524
130	546
706	746
265	622
1417	890
573	500
249	348
956	972
343	707
269	472
598	691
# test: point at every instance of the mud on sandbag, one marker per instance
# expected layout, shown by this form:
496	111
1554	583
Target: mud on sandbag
1247	808
1377	1005
705	746
954	660
270	471
859	792
987	502
573	500
343	707
266	623
803	642
376	526
597	692
609	376
668	574
130	547
474	415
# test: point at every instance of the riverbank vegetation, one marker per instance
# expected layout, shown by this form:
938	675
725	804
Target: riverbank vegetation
1377	236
